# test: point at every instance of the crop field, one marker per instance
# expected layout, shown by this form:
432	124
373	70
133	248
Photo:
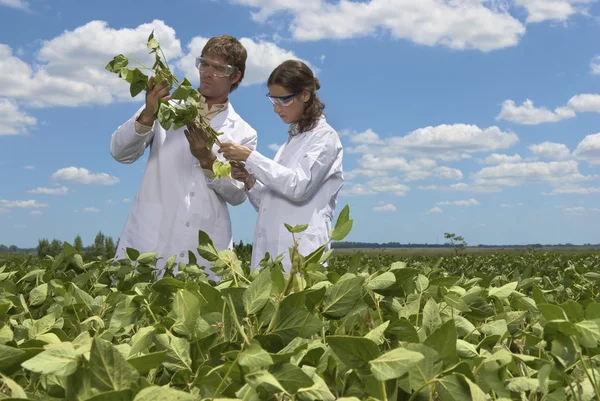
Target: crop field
363	326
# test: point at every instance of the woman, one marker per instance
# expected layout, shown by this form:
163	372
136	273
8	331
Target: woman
300	185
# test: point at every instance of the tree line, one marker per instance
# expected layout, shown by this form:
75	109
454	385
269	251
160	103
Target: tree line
102	246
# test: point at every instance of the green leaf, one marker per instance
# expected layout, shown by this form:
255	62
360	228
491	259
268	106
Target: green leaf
443	340
380	281
255	357
297	228
117	63
156	393
394	363
16	391
291	377
256	296
354	352
10	356
38	295
343	226
341	297
503	292
221	169
453	388
109	370
145	363
206	248
58	359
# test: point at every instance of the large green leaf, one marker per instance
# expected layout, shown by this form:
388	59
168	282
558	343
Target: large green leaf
394	363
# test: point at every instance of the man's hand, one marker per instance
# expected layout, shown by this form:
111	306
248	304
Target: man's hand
198	139
239	172
153	94
235	152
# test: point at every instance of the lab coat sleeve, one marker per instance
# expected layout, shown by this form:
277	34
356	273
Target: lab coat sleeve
126	145
232	190
255	194
297	183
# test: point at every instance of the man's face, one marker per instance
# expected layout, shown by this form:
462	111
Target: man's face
216	78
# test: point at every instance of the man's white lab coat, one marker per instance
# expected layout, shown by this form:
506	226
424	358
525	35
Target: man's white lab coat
175	199
299	186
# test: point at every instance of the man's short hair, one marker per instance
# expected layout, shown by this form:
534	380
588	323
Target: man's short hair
231	49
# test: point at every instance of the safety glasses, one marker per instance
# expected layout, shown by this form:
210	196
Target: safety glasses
218	70
282	100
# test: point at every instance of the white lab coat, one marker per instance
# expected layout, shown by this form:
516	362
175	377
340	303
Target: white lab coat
175	199
299	186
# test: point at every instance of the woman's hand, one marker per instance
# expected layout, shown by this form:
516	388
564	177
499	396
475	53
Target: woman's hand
235	152
239	172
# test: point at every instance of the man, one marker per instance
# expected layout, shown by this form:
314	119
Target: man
179	194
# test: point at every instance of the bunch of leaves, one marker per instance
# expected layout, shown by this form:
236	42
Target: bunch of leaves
346	329
184	105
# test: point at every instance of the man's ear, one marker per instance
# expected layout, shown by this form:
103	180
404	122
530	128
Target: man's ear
236	77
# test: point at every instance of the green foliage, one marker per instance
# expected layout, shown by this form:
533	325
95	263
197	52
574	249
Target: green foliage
499	327
182	108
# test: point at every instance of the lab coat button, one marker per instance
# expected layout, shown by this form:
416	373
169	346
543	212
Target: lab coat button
182	254
191	194
187	224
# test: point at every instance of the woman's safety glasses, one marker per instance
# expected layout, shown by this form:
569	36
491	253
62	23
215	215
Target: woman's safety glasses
218	70
282	100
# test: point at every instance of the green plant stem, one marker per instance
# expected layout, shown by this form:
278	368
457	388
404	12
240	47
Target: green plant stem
586	368
424	385
147	305
226	376
383	390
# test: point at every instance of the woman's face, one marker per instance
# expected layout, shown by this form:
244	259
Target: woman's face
288	105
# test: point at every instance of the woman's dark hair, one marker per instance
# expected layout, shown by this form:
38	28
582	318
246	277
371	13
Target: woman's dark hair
296	76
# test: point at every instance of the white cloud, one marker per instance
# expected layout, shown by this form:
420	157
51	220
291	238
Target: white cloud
595	65
274	147
29	167
91	209
126	200
69	69
448	173
434	210
574	210
516	174
570	189
585	102
553	10
263	57
62	190
496	158
14	121
455	24
550	150
377	186
21	204
18	4
529	114
385	208
374	166
366	138
468	202
36	212
461	187
589	149
83	176
510	205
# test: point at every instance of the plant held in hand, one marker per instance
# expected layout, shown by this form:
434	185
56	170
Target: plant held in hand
177	110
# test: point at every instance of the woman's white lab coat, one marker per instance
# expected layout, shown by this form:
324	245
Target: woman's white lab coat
175	199
299	186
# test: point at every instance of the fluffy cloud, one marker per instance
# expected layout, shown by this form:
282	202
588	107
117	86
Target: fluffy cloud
468	202
83	176
553	10
444	142
516	174
21	204
18	4
595	66
586	102
263	57
62	190
385	208
14	121
376	186
529	114
550	151
461	187
434	210
496	158
91	209
473	24
589	149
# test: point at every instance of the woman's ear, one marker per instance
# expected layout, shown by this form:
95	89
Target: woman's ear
306	96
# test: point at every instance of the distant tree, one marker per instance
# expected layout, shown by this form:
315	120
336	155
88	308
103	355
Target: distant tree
3	248
457	241
109	248
78	244
13	248
43	248
56	247
98	248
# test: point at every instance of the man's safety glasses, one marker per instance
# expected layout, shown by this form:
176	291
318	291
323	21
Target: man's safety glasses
218	70
282	100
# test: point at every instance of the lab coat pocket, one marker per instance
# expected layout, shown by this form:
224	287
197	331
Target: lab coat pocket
143	226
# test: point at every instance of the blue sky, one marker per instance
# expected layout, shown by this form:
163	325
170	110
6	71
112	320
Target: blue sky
479	117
